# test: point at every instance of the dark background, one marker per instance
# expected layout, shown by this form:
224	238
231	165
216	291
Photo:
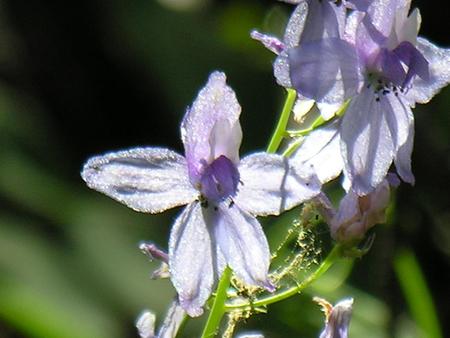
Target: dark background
84	77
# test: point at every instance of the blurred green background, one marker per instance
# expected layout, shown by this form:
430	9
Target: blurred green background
79	78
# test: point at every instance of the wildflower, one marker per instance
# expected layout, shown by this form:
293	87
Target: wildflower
337	317
395	70
223	195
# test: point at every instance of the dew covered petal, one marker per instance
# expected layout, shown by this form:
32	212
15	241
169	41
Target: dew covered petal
243	244
145	179
366	141
270	185
191	259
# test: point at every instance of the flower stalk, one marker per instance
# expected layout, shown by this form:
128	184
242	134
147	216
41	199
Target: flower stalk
332	257
218	307
280	129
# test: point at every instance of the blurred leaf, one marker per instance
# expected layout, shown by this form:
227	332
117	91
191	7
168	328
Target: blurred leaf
417	295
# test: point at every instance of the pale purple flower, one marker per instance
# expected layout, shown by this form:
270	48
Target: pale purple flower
394	68
337	317
223	195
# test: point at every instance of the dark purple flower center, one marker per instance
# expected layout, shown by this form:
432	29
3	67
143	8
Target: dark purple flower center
393	70
219	180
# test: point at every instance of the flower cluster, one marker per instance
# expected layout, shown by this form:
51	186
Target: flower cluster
362	66
367	54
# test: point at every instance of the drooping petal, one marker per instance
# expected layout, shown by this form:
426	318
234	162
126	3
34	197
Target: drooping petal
215	104
366	141
321	150
145	179
270	185
191	259
243	244
422	90
416	62
325	70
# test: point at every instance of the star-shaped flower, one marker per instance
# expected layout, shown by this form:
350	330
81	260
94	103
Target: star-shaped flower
223	195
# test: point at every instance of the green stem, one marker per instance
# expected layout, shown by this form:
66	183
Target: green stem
218	308
334	254
280	129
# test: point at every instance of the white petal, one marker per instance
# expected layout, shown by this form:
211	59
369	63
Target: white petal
243	243
321	150
191	259
270	185
145	179
225	139
439	62
366	141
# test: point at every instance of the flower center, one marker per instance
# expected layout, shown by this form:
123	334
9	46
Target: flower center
394	70
382	86
219	180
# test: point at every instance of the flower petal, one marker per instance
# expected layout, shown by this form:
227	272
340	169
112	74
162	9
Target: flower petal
366	141
175	317
243	243
403	157
270	185
325	70
215	103
401	124
191	259
145	179
321	150
296	25
423	90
